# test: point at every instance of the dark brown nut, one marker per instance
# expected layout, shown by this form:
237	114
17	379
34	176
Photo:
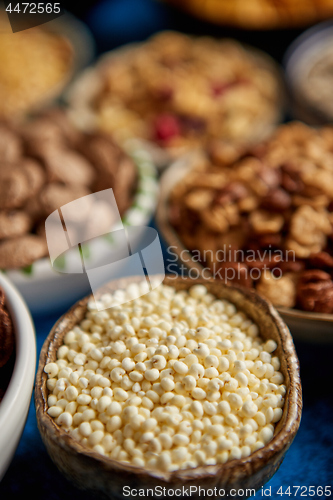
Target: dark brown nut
102	153
276	200
291	266
6	337
315	291
269	240
67	166
35	175
10	145
291	181
262	262
314	276
22	251
54	195
14	186
235	272
14	223
321	260
234	191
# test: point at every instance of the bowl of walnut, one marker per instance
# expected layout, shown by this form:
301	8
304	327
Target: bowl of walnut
48	163
175	92
262	219
259	15
17	368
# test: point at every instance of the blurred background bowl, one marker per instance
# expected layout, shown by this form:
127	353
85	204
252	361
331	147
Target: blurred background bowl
85	89
15	403
306	326
77	43
257	15
308	64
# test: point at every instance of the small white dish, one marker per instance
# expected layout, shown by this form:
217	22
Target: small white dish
301	57
15	403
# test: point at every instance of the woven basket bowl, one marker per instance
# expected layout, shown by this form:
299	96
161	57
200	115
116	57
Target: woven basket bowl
107	477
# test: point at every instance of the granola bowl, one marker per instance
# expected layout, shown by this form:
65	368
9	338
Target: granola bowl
90	470
146	92
16	400
312	326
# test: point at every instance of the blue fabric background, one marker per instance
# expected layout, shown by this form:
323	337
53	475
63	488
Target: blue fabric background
309	461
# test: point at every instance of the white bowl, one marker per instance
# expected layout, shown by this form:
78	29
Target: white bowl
15	403
46	290
298	62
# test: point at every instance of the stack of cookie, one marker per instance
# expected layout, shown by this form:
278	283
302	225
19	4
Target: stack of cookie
45	164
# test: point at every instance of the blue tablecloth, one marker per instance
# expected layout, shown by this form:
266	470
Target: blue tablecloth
309	462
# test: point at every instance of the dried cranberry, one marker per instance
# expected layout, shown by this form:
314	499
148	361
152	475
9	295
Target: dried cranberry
166	127
193	123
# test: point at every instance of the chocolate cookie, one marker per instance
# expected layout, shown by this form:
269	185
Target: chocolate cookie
35	175
14	186
67	166
102	153
126	183
10	145
14	223
54	195
21	251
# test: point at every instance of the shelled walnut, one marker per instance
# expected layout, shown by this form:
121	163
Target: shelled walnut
268	212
